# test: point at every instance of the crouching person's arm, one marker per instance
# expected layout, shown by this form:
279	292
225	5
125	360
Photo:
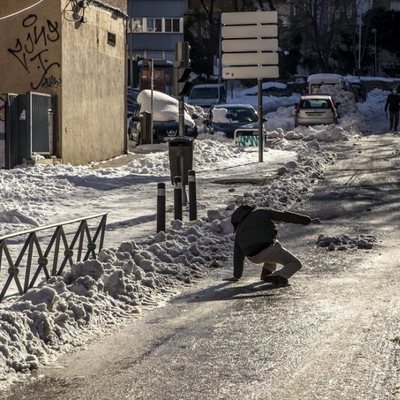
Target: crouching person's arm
238	261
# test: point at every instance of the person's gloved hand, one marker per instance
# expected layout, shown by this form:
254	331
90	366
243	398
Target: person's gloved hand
316	221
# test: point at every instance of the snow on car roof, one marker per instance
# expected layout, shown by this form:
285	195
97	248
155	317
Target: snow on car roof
165	107
208	85
233	105
315	96
324	77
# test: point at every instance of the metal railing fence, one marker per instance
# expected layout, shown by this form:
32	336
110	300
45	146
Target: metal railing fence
35	257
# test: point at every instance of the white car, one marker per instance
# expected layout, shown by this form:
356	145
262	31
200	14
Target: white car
316	109
207	95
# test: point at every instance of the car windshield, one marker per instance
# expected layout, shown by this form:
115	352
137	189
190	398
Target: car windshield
204	93
241	114
315	103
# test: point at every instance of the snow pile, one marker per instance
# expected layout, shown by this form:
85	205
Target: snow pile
373	111
37	326
283	118
22	189
270	103
296	178
345	98
345	242
205	151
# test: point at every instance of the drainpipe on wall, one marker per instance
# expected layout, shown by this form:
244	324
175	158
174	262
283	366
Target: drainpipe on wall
126	18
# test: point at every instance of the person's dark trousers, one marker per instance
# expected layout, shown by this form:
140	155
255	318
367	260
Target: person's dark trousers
394	120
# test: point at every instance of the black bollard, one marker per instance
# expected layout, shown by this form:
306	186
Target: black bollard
192	195
178	197
160	207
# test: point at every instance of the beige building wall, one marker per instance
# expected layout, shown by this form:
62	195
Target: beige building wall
44	48
30	47
93	75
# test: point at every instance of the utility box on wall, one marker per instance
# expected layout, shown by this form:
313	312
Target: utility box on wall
29	121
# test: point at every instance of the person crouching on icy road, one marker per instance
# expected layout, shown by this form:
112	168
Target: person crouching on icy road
255	238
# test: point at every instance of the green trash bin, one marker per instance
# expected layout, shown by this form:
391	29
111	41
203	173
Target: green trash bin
180	158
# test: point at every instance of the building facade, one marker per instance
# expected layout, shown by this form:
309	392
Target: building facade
74	51
154	28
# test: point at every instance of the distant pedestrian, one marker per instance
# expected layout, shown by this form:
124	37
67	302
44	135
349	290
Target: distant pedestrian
255	238
393	104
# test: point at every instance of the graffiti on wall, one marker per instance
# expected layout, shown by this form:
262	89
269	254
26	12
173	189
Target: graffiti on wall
32	51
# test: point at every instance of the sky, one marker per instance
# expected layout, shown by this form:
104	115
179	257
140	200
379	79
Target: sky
138	267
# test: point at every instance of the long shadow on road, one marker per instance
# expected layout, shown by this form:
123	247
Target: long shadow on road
232	291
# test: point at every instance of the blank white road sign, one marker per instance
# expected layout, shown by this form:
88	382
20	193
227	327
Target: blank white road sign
249	31
250	45
249	18
271	71
246	45
247	59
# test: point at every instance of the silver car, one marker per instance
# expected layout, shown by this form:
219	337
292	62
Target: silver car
316	109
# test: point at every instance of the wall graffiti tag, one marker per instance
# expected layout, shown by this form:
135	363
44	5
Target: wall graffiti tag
32	50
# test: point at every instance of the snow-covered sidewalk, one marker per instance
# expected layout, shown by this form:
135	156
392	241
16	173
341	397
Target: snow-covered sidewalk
140	268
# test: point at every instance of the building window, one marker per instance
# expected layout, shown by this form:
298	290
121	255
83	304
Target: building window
169	25
172	25
154	25
136	25
111	38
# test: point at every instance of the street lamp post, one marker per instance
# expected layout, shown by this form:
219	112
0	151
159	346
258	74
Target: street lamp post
374	32
359	45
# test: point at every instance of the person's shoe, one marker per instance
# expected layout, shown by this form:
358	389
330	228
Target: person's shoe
264	273
277	280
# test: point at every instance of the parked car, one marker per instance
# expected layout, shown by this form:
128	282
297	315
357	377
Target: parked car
315	81
316	109
165	118
229	117
207	95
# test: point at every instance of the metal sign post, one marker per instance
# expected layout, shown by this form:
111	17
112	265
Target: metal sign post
250	51
260	122
151	99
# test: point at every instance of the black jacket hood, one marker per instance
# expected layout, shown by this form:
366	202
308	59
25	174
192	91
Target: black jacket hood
240	214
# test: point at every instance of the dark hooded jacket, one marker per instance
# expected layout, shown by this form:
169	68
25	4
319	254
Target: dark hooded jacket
255	231
393	102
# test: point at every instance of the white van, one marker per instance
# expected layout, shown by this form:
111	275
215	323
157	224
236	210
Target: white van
315	81
207	95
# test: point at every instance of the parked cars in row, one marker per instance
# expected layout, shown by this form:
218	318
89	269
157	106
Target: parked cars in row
316	109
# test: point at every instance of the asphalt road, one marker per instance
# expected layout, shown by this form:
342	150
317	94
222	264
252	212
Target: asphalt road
334	333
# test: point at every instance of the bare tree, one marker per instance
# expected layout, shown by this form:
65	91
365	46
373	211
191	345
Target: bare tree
320	23
270	5
209	17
